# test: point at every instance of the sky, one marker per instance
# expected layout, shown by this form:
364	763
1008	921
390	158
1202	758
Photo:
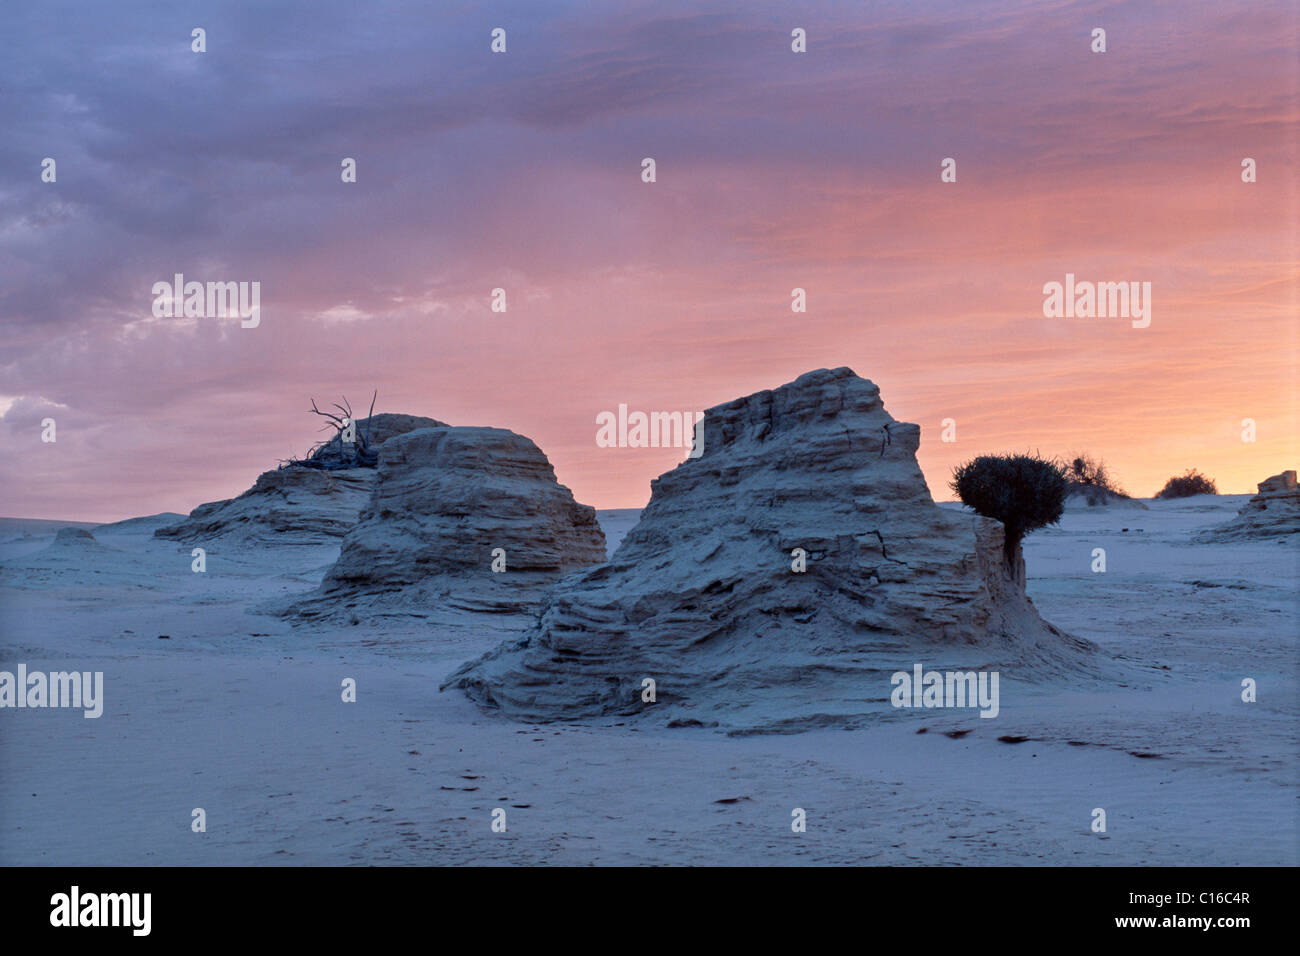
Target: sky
522	170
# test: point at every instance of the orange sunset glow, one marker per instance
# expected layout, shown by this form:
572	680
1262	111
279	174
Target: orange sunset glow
773	173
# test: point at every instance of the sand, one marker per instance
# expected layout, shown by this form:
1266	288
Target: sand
239	713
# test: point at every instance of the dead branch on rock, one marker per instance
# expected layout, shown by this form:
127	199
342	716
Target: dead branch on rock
347	447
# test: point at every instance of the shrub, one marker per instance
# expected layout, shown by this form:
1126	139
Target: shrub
1190	483
1083	472
1024	492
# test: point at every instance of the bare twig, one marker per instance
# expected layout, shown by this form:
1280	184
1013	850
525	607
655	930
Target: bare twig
359	455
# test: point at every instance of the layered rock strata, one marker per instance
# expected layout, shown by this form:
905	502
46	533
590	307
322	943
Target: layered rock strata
1274	513
460	519
707	598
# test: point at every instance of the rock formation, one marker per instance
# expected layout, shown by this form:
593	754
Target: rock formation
445	499
295	505
1274	513
73	538
702	596
73	552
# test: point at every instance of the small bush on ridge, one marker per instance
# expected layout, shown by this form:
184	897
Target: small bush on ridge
1190	483
1082	471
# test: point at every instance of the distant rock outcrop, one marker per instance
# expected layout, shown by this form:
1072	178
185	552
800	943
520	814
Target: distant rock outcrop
73	551
1285	483
447	503
296	505
73	538
1274	513
703	596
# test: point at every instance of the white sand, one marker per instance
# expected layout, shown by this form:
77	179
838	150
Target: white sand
240	714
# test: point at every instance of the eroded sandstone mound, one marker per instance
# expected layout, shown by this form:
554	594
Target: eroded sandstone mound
701	596
1274	513
445	499
73	552
296	505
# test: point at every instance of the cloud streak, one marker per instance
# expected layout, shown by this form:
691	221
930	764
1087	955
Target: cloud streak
522	171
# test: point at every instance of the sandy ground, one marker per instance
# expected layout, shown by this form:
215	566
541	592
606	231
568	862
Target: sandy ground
240	714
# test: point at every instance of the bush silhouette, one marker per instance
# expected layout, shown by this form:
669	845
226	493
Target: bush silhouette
1188	484
1024	492
1083	472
